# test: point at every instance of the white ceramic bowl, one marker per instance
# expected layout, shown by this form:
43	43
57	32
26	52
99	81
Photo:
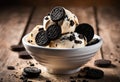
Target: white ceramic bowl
62	61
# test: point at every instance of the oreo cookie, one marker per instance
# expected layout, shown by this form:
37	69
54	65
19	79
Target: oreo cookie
53	32
93	73
24	55
17	48
57	14
102	63
31	72
93	41
41	38
86	30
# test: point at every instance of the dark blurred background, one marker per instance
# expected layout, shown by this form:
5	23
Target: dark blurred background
61	2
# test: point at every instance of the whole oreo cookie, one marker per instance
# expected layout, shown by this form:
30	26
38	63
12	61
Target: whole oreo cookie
102	63
31	72
53	32
41	38
93	73
57	13
86	30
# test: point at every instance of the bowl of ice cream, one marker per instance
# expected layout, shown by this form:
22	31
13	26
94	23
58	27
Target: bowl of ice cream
62	61
61	44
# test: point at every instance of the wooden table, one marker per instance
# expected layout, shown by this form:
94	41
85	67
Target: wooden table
15	22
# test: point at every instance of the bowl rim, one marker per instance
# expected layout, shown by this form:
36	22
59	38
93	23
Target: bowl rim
42	47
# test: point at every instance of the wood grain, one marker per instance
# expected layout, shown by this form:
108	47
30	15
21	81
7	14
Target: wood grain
109	30
12	23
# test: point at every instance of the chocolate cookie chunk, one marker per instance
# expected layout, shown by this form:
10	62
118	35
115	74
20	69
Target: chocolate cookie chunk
93	41
93	73
73	80
53	32
10	67
71	38
31	72
17	48
48	81
24	55
77	41
86	30
41	38
102	63
84	80
83	72
57	13
71	22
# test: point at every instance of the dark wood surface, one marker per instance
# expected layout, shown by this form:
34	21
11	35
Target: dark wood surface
15	22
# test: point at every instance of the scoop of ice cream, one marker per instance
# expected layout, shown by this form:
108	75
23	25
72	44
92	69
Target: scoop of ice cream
69	40
68	24
47	22
33	33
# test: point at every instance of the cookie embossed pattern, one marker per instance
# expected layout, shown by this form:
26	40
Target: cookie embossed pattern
62	44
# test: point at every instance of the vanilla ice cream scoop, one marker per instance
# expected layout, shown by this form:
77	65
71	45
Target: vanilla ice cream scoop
68	24
69	40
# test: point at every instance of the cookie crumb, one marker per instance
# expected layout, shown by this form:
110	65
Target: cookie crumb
116	60
119	61
71	22
73	81
73	46
77	41
71	77
1	79
46	18
17	48
117	46
10	67
84	80
48	81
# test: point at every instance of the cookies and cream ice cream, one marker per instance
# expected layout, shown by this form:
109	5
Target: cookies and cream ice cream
68	24
60	29
69	40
